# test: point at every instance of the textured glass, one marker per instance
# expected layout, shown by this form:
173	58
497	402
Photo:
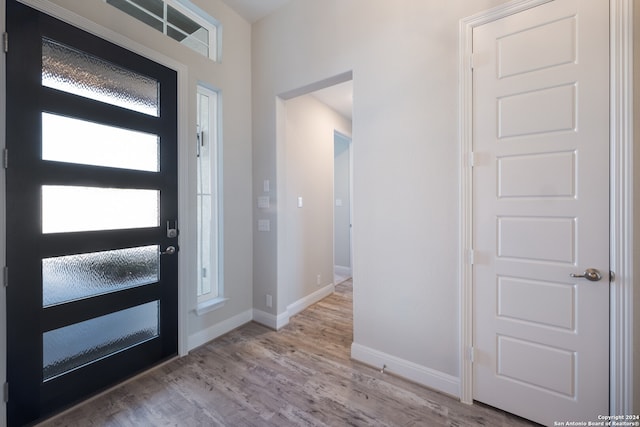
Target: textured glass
73	277
77	141
77	345
67	209
76	72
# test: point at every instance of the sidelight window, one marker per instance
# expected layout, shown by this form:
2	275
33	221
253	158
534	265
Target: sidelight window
209	277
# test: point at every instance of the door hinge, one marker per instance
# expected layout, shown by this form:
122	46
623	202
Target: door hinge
5	42
5	158
471	354
472	61
5	276
471	256
6	392
472	159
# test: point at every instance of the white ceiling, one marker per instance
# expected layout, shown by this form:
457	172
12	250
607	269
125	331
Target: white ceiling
338	97
254	10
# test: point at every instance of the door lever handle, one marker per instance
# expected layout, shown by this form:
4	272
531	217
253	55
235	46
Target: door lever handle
169	251
591	274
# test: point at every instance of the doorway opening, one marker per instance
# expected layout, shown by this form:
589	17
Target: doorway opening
309	119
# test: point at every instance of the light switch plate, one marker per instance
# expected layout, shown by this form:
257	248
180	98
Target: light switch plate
263	202
264	225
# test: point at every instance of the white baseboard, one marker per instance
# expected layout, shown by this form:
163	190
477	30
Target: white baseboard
427	377
270	320
342	270
276	322
219	329
311	299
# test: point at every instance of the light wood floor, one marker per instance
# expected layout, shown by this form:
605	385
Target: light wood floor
299	376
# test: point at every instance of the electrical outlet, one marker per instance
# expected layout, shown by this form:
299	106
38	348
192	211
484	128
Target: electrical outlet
269	301
318	279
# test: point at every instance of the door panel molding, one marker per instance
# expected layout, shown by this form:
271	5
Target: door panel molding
465	132
621	203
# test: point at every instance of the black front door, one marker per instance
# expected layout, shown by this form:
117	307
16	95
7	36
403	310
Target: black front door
91	201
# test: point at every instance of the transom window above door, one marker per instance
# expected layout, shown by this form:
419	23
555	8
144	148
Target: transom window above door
178	19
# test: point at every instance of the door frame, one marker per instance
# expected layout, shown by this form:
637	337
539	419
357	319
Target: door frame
350	139
621	197
187	224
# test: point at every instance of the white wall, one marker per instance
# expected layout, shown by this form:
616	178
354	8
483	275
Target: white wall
233	78
305	235
404	61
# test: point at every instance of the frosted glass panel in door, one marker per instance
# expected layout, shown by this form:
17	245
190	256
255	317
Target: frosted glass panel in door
70	209
73	71
73	277
79	344
65	139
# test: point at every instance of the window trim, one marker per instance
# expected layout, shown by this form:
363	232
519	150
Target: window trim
214	300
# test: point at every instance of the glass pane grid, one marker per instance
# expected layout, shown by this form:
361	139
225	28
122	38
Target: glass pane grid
80	344
148	15
179	20
173	23
155	7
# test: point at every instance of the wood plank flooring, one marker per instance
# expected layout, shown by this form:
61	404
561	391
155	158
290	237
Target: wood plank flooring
299	376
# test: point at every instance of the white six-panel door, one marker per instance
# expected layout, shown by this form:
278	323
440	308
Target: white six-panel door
541	211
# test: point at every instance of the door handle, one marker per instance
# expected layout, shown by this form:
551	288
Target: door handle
591	274
169	251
